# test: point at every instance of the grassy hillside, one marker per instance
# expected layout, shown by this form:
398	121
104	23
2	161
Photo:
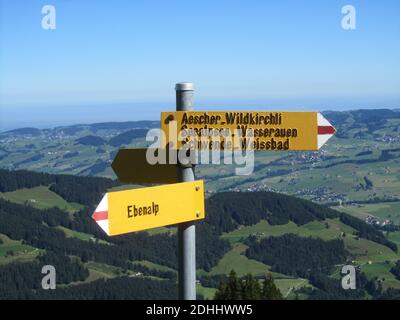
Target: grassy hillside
383	211
241	264
81	235
327	229
40	197
15	251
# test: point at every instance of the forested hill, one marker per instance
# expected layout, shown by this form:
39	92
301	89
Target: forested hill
54	234
230	210
83	190
225	211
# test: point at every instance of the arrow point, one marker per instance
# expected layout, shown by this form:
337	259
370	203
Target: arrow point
100	215
325	130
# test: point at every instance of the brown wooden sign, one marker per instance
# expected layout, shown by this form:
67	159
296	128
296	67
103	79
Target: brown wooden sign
131	166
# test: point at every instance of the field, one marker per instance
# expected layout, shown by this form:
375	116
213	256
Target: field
207	293
383	211
40	197
241	264
327	229
80	235
162	230
395	237
364	250
156	266
101	270
15	251
287	286
383	271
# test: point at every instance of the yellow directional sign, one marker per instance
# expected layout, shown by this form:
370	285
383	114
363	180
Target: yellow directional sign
257	130
131	166
146	208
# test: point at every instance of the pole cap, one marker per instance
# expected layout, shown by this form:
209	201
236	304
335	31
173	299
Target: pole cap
184	86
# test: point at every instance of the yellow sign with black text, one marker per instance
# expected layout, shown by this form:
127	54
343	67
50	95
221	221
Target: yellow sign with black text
257	130
133	210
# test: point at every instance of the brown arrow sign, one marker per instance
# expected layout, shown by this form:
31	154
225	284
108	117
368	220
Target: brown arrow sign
131	166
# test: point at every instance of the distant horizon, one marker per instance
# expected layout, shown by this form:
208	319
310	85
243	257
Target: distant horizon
51	124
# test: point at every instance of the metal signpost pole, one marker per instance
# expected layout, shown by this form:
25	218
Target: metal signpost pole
187	230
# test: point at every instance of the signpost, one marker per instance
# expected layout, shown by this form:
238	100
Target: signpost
269	130
133	210
186	231
183	203
131	166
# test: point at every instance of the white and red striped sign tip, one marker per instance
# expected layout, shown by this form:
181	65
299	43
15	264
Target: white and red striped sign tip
100	215
325	130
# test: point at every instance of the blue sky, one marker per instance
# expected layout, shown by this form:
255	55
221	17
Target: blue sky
127	55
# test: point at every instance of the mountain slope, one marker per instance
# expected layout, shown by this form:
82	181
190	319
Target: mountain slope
251	217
